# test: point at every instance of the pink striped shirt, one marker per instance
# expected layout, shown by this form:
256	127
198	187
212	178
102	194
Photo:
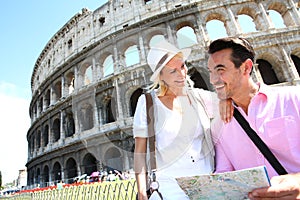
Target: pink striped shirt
274	114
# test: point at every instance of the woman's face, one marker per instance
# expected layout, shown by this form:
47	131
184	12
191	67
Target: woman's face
174	72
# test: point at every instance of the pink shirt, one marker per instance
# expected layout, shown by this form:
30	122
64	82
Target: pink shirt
274	114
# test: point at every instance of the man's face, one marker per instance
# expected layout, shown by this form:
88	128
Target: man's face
226	79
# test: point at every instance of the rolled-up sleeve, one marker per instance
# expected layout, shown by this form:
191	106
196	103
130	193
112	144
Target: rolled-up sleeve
140	118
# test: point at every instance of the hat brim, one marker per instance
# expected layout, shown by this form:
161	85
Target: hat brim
185	54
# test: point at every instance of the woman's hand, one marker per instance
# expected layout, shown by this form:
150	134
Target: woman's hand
226	110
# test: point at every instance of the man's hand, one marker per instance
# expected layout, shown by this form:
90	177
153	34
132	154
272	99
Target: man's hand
282	187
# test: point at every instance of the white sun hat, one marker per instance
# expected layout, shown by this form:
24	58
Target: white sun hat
160	54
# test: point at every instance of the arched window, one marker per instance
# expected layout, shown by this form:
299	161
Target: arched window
46	135
89	164
197	79
186	37
46	175
70	125
109	112
214	25
108	66
296	61
56	171
132	56
246	23
267	72
86	117
113	159
71	169
56	130
47	98
88	75
38	139
155	39
276	19
133	100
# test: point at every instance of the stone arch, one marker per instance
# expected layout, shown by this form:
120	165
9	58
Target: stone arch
38	176
132	56
296	61
69	123
152	32
70	169
38	139
56	171
247	17
155	39
268	75
46	174
108	65
89	164
56	91
198	78
70	82
134	99
84	73
282	8
216	20
273	57
125	45
40	105
86	116
113	158
46	135
186	36
47	98
110	111
56	130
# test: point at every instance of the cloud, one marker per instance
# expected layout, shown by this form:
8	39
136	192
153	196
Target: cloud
15	122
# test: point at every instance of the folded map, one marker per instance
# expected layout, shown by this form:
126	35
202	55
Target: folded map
233	185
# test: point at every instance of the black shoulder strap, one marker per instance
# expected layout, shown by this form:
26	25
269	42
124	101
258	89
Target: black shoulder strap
264	149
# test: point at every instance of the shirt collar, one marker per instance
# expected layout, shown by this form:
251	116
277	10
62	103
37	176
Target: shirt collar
264	90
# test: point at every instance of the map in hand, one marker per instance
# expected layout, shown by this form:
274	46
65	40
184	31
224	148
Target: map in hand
227	185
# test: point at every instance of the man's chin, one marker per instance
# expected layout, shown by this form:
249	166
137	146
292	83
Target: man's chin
222	96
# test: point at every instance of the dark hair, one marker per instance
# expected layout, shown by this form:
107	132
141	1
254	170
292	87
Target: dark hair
241	49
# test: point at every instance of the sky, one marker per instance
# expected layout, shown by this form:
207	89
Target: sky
26	28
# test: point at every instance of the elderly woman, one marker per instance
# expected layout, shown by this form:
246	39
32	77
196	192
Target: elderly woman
182	116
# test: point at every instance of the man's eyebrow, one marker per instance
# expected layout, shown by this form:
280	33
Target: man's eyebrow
219	65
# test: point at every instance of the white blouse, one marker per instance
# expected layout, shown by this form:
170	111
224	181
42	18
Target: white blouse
179	137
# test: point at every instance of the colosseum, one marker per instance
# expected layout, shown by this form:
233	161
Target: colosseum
87	79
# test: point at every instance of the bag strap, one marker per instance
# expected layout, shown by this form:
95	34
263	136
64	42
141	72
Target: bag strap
264	149
151	134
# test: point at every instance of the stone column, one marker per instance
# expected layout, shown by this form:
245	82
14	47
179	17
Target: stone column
232	26
63	86
291	69
62	125
294	12
265	17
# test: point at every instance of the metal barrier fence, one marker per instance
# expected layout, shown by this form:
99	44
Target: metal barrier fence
118	190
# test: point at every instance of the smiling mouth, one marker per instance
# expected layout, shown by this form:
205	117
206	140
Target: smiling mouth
180	81
219	87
